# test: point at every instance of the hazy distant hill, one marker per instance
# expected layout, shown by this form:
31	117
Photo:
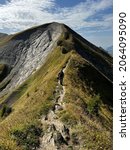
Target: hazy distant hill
110	50
2	35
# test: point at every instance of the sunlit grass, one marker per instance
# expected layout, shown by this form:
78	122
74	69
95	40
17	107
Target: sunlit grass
35	98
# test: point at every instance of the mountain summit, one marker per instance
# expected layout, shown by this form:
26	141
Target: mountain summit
55	91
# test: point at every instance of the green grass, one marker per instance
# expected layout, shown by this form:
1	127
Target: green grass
82	99
83	85
5	40
91	138
93	105
68	118
27	109
46	107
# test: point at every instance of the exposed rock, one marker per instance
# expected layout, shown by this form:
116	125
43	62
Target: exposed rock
58	139
58	107
57	135
65	131
52	128
61	76
26	55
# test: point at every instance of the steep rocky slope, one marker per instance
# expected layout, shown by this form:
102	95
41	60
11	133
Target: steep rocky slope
25	53
56	91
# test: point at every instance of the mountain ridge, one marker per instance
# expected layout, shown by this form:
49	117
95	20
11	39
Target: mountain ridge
86	54
58	88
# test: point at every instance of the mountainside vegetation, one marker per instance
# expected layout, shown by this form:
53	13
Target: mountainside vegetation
65	104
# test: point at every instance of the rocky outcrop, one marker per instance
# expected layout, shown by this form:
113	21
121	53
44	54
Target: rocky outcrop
25	55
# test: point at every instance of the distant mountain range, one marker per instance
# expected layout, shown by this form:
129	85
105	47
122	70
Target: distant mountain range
110	50
56	91
2	35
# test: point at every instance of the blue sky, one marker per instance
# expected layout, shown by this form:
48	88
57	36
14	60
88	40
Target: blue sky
2	1
68	3
90	18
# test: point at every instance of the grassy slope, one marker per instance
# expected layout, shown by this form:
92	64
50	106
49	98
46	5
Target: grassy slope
93	132
5	40
40	88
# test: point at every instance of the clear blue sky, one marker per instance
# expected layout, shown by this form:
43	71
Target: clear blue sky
2	1
91	18
68	3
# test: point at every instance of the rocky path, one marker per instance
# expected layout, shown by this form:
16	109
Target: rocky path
57	135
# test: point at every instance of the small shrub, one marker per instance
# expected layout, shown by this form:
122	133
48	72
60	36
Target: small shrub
6	110
28	138
94	105
64	50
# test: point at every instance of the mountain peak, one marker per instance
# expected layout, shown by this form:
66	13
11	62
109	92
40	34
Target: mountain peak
28	50
55	91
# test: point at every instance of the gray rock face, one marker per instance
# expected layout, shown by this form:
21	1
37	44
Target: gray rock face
26	55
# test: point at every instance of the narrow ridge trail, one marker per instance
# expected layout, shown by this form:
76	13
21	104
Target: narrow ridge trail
57	135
